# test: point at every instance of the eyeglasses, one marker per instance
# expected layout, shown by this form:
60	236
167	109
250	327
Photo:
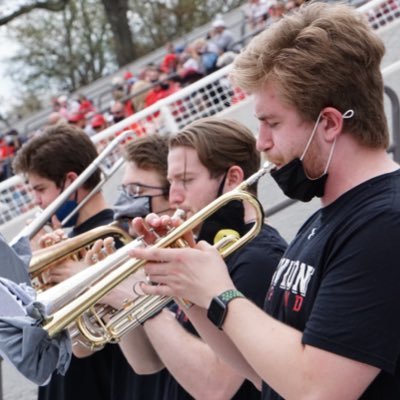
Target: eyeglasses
135	189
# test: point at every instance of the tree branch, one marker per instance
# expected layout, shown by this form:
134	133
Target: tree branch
14	12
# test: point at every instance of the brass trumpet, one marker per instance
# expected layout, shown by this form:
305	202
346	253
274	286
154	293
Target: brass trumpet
66	303
42	259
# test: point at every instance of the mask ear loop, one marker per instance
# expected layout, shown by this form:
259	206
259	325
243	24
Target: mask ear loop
348	114
311	137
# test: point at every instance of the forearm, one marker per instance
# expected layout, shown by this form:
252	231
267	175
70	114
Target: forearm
191	361
139	352
221	344
294	370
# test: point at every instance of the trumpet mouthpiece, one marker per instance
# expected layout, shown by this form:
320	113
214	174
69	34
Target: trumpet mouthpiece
179	213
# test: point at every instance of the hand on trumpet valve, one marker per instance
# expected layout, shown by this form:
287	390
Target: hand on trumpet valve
194	274
154	227
49	239
100	250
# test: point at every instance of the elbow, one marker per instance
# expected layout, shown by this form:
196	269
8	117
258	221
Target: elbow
218	390
146	367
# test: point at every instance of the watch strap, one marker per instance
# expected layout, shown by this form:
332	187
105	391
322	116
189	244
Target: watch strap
218	309
229	295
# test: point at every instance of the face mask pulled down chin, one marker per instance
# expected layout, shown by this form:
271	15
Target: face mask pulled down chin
296	185
65	210
292	178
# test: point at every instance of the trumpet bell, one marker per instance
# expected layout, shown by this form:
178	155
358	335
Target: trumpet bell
137	311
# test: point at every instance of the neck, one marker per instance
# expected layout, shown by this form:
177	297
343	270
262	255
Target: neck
249	213
352	165
96	204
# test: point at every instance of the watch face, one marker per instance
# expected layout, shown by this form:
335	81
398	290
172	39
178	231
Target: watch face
217	311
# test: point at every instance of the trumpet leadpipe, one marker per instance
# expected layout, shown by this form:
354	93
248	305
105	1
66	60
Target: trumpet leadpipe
64	316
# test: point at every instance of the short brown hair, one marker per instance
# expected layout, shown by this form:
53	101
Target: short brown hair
150	153
58	150
322	55
220	144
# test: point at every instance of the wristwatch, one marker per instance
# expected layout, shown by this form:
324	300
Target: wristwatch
219	306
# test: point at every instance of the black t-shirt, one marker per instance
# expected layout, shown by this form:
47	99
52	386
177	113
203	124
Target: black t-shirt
251	269
105	375
338	282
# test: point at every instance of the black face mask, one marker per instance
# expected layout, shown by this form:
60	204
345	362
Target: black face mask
292	178
294	182
229	217
164	85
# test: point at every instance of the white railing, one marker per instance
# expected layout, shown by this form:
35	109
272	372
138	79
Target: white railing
205	97
381	13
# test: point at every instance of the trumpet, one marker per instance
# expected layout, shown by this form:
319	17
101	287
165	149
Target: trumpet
42	260
61	306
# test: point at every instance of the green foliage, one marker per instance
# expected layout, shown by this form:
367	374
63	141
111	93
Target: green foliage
62	51
155	22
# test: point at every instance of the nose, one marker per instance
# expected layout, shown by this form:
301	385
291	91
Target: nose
176	195
264	140
37	199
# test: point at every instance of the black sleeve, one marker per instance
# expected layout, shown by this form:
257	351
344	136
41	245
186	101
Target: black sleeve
357	312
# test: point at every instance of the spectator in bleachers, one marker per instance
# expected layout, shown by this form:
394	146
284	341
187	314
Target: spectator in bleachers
98	123
222	37
256	13
117	111
6	156
276	11
63	106
85	105
198	60
147	77
78	119
117	88
163	89
55	118
170	60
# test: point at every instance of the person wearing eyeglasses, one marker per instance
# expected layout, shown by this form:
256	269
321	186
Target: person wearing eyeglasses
106	373
144	186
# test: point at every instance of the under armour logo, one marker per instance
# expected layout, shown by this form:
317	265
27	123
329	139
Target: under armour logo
313	230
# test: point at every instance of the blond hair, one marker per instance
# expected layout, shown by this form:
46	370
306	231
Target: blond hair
321	55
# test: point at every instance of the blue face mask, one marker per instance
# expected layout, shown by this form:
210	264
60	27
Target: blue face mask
66	209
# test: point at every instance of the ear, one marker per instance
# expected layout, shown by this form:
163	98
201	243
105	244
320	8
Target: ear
234	177
332	123
70	177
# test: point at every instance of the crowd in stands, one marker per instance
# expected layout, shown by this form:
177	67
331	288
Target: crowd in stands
133	91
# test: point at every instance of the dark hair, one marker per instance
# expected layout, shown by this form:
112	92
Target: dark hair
150	153
220	144
58	150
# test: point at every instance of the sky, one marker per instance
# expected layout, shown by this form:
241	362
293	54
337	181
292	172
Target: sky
6	86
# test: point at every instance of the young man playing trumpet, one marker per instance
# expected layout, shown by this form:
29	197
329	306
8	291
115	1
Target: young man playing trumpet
106	373
206	159
331	328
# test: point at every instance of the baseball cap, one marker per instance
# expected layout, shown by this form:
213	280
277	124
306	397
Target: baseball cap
97	120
